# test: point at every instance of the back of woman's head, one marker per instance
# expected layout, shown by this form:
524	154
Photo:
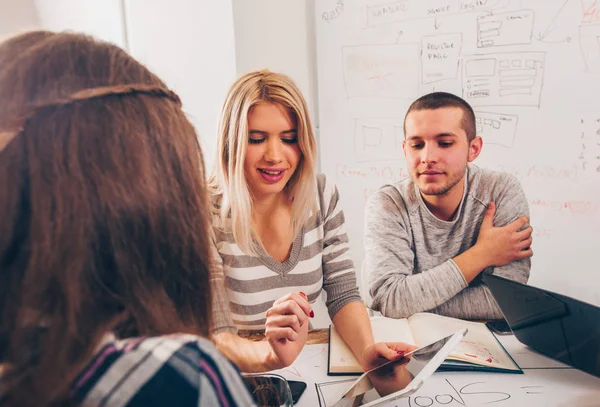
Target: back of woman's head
103	207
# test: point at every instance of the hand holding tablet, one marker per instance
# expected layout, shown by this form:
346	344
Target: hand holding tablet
400	378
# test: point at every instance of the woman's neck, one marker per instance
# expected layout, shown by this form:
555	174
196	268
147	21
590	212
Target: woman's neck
265	208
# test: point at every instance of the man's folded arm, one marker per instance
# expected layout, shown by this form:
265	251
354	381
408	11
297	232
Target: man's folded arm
389	261
512	204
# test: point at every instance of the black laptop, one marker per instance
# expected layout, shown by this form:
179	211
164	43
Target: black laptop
558	326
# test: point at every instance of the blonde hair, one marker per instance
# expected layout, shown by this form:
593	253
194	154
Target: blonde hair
228	181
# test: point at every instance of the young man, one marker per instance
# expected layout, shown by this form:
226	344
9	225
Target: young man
428	238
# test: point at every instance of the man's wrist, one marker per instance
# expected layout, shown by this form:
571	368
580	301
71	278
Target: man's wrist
482	256
473	261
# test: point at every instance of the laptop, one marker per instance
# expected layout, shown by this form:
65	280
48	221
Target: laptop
555	325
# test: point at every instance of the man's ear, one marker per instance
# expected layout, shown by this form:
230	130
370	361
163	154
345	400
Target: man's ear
475	148
404	147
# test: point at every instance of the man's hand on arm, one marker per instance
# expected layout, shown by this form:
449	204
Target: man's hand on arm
496	246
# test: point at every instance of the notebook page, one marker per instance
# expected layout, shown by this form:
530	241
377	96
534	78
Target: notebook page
479	345
392	330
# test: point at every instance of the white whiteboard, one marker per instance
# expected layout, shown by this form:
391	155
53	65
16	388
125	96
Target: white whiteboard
531	71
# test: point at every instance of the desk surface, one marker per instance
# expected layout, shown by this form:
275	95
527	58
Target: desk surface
315	337
545	382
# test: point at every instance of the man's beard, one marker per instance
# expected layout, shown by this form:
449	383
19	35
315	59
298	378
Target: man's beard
444	189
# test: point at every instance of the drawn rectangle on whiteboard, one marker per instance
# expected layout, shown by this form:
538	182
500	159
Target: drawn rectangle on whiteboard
387	13
378	139
474	5
496	128
479	93
517	83
404	10
517	91
505	73
489	33
513	28
499	92
381	70
490	25
481	67
440	57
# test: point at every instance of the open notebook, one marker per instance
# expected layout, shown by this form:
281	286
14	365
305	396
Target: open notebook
479	350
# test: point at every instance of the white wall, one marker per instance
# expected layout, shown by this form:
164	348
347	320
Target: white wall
100	18
190	45
17	16
278	35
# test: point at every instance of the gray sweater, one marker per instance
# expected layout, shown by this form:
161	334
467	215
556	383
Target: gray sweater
409	251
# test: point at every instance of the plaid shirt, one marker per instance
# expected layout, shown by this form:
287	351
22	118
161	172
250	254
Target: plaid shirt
174	370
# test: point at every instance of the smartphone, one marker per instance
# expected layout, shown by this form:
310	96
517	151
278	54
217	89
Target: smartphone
499	327
297	389
269	390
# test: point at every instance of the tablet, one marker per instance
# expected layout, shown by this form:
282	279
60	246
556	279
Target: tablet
397	379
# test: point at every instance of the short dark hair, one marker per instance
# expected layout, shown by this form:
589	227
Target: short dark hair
438	100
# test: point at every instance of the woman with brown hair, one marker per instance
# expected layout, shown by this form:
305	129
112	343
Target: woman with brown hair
104	229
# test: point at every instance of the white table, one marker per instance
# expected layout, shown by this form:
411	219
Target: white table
545	383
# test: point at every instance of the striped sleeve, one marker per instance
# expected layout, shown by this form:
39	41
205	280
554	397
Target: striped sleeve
221	313
221	381
339	276
174	370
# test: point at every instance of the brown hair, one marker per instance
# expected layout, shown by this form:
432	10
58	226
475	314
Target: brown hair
438	100
103	206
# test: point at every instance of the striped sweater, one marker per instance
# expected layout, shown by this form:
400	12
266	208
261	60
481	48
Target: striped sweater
244	287
174	370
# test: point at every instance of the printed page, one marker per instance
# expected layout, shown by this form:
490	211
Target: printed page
392	330
479	345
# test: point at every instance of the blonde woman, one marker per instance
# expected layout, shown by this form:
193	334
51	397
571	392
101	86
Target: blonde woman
279	233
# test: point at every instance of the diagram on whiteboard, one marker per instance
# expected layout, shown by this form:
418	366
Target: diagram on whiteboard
381	70
510	28
399	11
496	128
513	79
378	139
529	68
440	57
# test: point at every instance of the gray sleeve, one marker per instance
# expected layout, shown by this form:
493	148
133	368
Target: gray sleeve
339	276
389	261
511	204
221	314
474	302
